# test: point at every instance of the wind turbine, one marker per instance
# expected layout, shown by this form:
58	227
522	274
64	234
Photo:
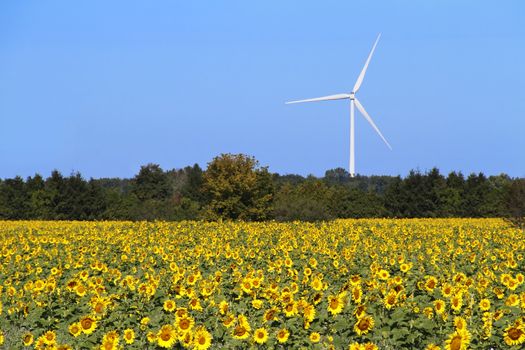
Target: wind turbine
353	101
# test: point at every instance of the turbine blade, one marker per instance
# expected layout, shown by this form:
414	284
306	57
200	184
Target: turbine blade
367	117
324	98
363	72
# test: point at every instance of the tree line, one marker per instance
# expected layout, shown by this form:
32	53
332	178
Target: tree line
236	187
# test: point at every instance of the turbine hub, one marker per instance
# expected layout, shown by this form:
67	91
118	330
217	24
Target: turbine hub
352	95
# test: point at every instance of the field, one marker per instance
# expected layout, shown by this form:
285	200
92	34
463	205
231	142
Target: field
347	284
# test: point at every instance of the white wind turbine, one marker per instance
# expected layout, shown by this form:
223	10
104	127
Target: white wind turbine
353	100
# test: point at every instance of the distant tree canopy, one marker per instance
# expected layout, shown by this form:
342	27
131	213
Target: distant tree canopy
236	187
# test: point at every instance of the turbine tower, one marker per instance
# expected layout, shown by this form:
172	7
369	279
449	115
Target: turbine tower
353	102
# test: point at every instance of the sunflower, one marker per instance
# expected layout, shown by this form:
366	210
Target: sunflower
186	339
75	329
369	346
151	337
257	303
319	296
459	340
241	332
129	336
447	290
260	335
315	337
166	336
364	324
184	323
456	302
223	307
169	305
201	339
354	346
282	335
49	338
109	345
404	267
432	346
512	300
484	304
316	284
270	315
390	299
439	306
290	310
309	312
195	304
430	283
383	275
88	324
335	304
514	335
228	320
28	339
460	323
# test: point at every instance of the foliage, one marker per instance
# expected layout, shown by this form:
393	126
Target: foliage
237	188
390	284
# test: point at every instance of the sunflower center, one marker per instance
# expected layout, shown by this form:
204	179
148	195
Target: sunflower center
86	323
184	324
240	331
165	336
515	333
334	303
455	344
202	340
363	324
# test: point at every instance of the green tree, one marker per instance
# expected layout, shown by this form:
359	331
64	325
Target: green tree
308	201
151	183
515	202
237	188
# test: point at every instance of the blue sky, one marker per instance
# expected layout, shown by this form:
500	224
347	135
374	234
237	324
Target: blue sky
102	87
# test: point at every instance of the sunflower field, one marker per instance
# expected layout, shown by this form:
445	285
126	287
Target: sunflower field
345	284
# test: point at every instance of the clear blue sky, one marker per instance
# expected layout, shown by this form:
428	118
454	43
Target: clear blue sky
102	87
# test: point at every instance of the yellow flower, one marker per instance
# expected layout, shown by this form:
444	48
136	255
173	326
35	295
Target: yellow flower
75	329
315	337
166	336
484	304
201	339
257	303
364	324
241	332
129	336
335	304
460	323
514	335
459	340
456	302
87	324
439	306
169	305
383	275
28	339
430	283
223	307
270	315
390	299
260	335
184	323
282	335
49	338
